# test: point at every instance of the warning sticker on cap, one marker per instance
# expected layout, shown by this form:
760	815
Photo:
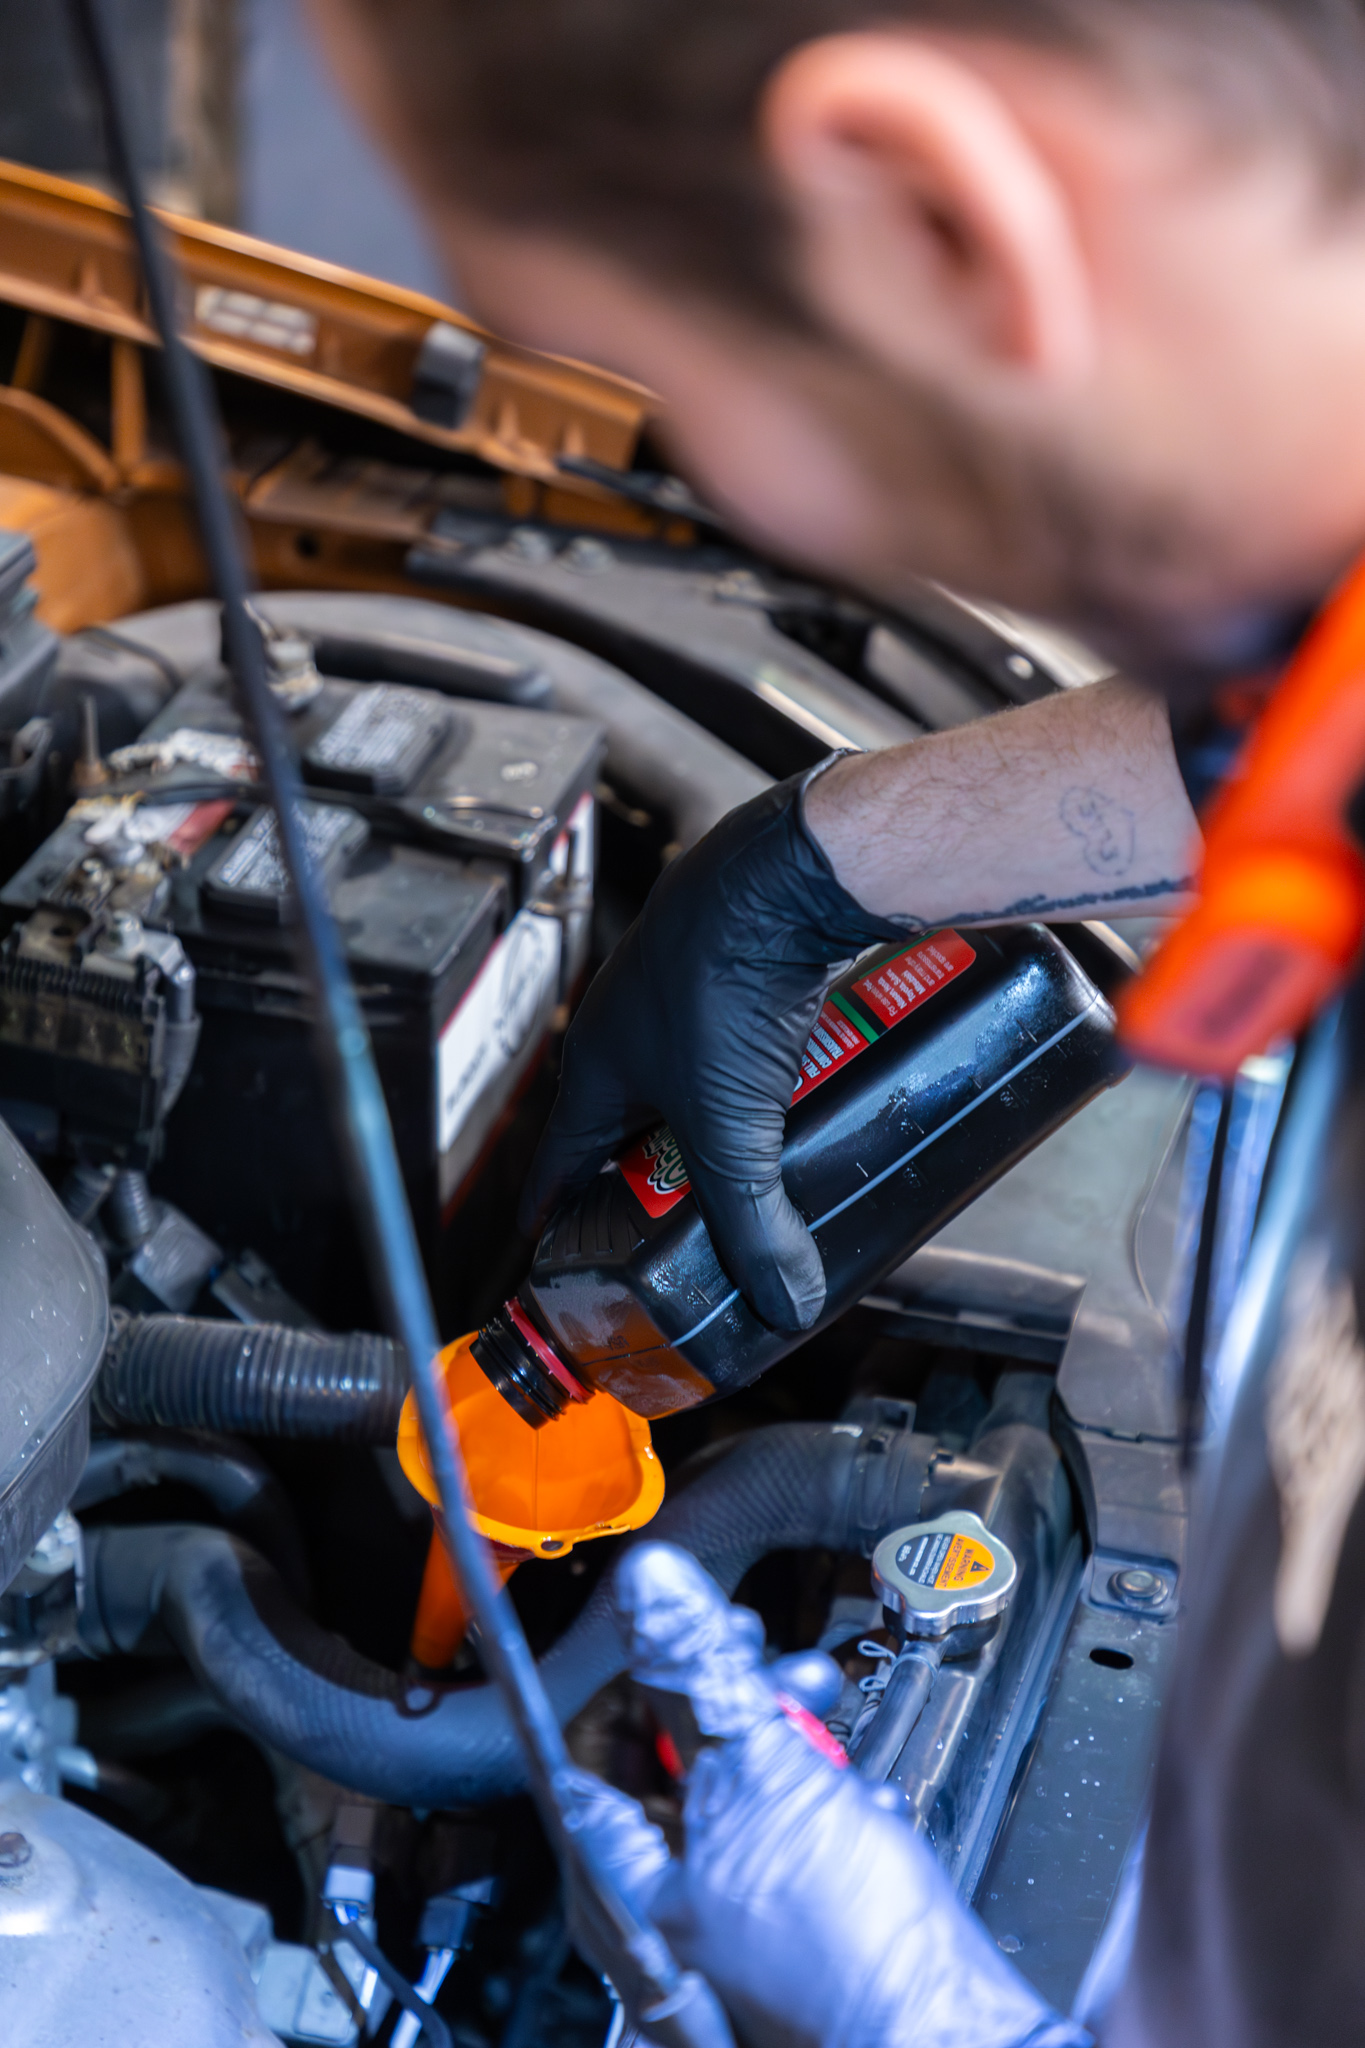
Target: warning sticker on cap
945	1562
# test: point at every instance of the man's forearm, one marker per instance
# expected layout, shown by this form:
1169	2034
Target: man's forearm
1072	807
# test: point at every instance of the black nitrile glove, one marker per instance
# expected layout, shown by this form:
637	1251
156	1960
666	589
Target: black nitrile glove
700	1017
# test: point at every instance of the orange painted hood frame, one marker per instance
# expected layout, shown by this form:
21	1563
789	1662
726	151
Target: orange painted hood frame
305	326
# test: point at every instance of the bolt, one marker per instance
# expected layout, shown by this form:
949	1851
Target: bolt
289	653
15	1851
1020	665
125	934
588	556
528	544
739	586
1136	1587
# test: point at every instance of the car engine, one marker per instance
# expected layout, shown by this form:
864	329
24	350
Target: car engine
522	671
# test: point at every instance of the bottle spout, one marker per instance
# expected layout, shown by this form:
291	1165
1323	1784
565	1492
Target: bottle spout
525	1367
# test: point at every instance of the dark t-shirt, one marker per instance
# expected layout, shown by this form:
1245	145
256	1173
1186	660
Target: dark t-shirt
1252	1926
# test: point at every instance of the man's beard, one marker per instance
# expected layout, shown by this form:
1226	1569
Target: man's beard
989	514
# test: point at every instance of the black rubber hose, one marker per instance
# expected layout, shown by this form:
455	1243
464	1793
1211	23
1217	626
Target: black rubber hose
800	1486
165	1713
129	1210
245	1492
248	1379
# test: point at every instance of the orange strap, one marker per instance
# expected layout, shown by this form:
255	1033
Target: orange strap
1281	916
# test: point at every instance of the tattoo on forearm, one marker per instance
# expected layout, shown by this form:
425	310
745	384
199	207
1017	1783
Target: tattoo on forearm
1107	832
1045	907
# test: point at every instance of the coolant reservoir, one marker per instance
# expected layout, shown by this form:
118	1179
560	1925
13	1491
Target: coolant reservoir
536	1492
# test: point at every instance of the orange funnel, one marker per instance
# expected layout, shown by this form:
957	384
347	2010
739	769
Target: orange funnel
536	1492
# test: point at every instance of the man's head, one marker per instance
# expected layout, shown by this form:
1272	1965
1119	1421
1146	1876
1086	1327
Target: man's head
1062	300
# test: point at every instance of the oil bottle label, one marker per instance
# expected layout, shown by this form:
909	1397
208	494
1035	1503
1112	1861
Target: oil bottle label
655	1173
854	1016
836	1039
895	987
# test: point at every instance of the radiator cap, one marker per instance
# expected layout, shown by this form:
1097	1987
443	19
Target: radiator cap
943	1575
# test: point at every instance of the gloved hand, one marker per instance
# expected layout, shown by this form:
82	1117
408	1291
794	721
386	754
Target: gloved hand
820	1918
700	1018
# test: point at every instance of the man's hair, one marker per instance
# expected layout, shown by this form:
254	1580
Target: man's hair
629	124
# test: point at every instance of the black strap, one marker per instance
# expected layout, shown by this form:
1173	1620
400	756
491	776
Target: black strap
1196	1329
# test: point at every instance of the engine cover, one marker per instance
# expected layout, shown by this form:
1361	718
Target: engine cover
54	1309
103	1943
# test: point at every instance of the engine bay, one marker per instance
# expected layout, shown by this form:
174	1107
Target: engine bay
522	670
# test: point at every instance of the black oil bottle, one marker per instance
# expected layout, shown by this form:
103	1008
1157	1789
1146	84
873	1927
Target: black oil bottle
936	1063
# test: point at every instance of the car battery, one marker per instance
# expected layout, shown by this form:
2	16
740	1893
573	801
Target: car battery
457	844
487	781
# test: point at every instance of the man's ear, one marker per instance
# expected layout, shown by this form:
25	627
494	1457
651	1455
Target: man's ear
930	230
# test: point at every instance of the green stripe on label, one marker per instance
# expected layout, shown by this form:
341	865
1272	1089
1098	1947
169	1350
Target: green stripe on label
869	1031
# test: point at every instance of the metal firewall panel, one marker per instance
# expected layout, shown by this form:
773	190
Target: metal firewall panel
1098	1200
1048	1888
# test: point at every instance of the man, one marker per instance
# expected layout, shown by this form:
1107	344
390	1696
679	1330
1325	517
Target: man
1062	301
